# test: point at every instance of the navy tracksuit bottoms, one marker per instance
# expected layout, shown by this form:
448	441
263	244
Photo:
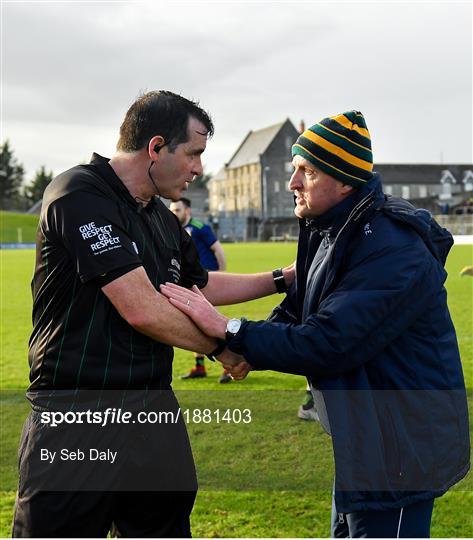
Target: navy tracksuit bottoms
411	521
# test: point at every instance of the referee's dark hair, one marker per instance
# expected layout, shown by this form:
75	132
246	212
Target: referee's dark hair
160	113
185	201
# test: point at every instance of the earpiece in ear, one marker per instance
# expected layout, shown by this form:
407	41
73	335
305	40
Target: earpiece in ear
157	148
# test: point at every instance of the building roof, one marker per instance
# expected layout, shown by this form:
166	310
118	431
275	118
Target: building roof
420	173
253	145
218	177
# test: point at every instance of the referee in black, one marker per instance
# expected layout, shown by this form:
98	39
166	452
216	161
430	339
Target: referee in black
105	243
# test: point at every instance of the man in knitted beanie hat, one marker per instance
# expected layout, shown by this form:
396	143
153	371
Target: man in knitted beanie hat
334	156
367	323
340	146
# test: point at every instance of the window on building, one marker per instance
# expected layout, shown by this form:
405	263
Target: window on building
468	180
406	192
388	190
276	186
446	191
288	167
422	192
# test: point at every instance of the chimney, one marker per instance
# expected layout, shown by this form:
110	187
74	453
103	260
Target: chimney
302	126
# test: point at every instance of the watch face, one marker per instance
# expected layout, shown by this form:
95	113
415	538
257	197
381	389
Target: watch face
233	326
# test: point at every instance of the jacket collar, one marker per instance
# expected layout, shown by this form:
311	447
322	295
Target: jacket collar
330	223
340	221
351	208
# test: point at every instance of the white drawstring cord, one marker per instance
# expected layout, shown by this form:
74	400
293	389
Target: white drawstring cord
399	526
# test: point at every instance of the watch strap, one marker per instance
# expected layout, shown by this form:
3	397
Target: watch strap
221	346
278	278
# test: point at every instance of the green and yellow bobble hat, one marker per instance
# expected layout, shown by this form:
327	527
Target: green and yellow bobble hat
340	146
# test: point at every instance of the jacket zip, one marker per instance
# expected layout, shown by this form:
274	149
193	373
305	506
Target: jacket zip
358	211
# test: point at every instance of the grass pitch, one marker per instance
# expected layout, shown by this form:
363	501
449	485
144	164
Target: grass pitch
270	479
16	227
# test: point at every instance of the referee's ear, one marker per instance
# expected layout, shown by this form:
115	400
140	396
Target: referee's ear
154	146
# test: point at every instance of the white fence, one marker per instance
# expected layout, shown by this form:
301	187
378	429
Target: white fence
463	239
461	225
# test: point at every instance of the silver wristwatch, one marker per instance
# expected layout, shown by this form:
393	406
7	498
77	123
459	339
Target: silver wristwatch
233	327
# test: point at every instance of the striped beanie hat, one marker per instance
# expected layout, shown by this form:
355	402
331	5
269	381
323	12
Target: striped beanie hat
340	146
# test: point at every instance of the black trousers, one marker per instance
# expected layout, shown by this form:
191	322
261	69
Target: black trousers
411	521
94	514
148	492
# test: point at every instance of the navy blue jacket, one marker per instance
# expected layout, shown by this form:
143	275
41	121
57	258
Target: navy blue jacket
371	330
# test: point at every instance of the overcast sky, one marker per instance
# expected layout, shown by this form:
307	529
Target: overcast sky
71	69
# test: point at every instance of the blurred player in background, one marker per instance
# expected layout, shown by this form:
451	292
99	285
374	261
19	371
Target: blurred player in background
212	257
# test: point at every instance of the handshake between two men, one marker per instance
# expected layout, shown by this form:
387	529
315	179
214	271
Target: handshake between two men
211	322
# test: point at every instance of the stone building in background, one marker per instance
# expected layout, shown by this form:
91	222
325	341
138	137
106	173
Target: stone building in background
249	199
